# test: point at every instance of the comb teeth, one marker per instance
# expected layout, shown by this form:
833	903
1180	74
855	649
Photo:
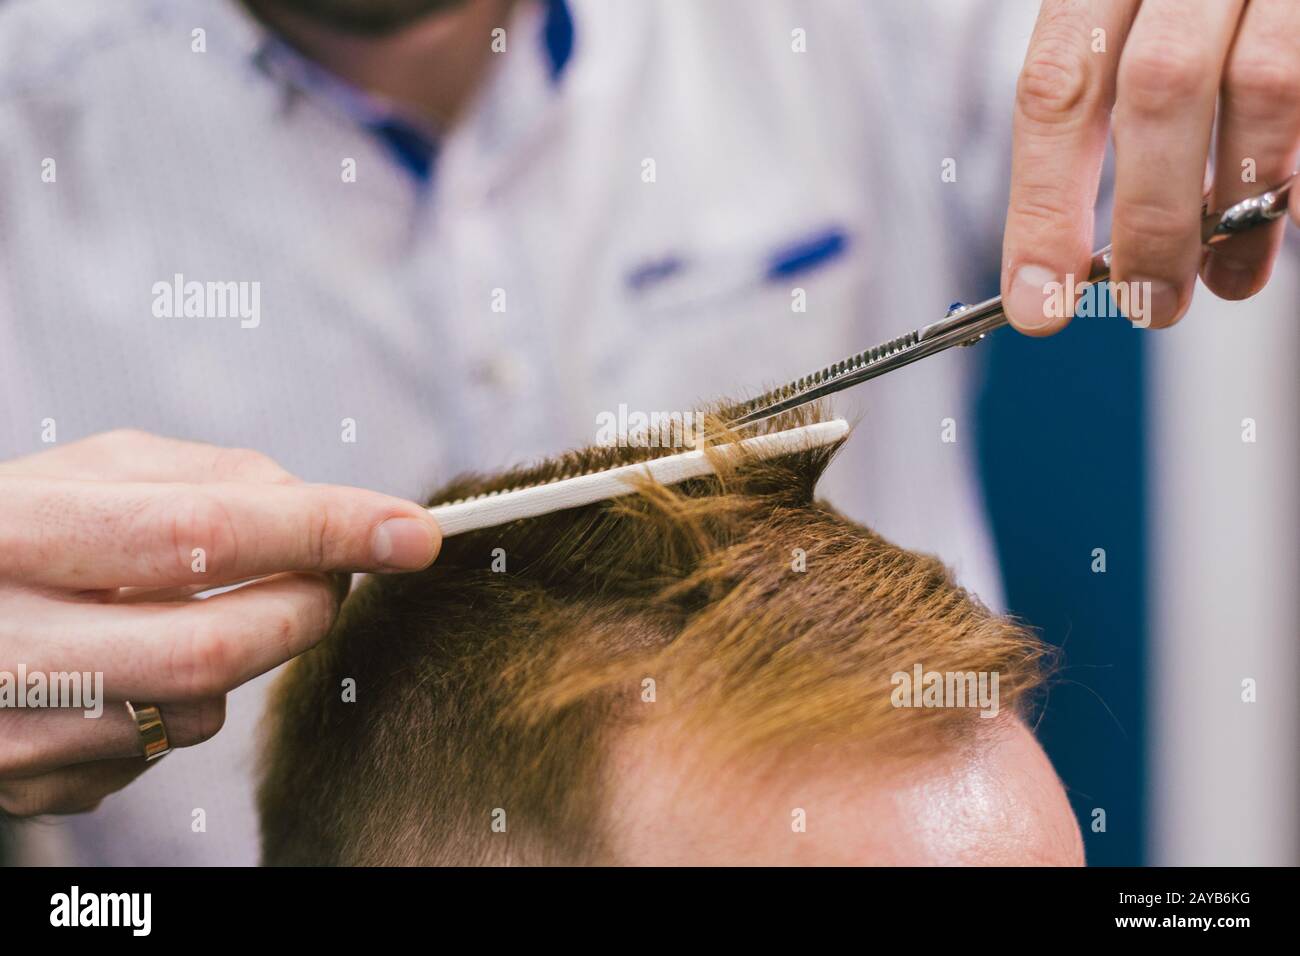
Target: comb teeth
562	476
653	453
507	505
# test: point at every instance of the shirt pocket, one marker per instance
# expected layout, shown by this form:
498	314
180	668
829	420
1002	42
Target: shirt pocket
734	318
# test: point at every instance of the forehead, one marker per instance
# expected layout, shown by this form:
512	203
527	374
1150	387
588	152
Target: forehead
993	801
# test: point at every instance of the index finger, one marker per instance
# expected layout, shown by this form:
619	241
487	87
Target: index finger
128	454
90	534
1063	101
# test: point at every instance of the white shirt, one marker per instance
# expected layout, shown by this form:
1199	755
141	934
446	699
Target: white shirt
377	295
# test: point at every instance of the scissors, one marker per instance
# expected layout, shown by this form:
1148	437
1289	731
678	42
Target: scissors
963	325
967	324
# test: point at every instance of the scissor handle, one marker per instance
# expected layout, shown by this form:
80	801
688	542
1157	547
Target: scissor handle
1218	225
1253	211
966	325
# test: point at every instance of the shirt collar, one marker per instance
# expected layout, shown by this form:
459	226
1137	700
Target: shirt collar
557	36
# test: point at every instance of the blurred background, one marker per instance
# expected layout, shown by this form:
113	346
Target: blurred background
1105	437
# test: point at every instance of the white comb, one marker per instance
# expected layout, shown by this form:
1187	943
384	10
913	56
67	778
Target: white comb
501	507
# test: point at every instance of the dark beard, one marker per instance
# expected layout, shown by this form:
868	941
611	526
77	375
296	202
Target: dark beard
366	17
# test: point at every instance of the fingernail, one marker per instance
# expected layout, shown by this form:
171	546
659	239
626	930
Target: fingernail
1160	300
1229	278
404	544
1028	301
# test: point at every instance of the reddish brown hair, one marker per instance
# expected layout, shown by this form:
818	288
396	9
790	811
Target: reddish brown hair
482	691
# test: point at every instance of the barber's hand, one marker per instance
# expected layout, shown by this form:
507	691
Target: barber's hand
1164	67
99	545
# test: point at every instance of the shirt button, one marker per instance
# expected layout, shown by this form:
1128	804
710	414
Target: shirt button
500	372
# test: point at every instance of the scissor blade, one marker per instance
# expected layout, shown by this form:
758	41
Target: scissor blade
850	371
963	327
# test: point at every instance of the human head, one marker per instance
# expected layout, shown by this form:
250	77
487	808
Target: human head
698	674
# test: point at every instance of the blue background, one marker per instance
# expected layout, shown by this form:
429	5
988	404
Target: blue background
1063	465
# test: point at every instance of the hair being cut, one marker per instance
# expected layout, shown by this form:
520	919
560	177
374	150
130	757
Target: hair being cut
494	682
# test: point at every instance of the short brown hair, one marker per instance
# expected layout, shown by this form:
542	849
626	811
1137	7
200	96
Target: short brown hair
764	618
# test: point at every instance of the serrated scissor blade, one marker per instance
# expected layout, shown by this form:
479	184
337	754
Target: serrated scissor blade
964	325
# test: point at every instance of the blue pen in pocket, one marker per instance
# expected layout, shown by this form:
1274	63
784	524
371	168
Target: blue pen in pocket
674	280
